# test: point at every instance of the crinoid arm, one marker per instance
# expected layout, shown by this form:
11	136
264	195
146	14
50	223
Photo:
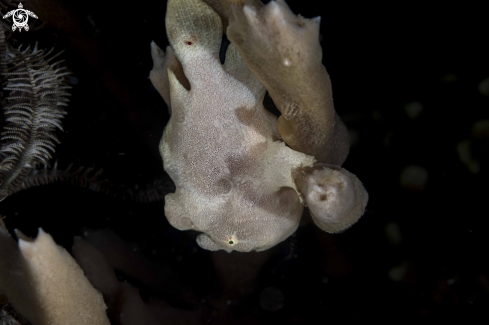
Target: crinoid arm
33	110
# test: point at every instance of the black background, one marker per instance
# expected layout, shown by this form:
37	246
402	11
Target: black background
419	250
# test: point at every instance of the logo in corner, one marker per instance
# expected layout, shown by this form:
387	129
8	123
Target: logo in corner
20	17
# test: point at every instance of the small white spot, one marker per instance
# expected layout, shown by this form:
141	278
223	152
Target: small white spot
413	110
91	21
464	150
398	273
287	63
414	177
451	281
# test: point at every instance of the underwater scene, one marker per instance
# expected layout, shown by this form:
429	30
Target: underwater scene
242	162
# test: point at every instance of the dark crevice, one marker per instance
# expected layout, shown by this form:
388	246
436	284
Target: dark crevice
270	105
224	47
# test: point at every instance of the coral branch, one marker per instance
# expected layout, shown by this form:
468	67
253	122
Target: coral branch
45	284
284	53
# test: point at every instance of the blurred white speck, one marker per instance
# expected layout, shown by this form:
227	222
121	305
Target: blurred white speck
85	233
325	280
484	87
414	177
179	258
473	166
228	302
393	233
465	155
463	150
154	252
413	110
451	281
398	273
91	21
73	80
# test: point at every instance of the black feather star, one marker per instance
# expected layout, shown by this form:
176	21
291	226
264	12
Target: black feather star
31	111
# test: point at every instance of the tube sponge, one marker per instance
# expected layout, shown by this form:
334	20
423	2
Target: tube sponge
336	198
241	174
45	284
283	52
232	172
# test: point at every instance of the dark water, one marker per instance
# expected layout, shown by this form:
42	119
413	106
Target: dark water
408	83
